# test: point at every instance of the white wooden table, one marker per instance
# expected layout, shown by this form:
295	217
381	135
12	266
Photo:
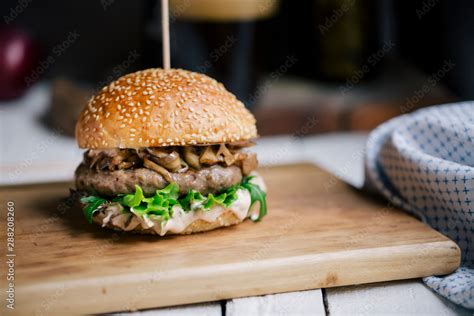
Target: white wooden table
52	158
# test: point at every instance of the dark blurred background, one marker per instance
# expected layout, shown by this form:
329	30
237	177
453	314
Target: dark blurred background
349	64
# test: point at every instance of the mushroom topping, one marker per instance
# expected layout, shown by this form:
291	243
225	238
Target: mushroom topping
242	144
229	158
153	166
209	157
112	159
191	157
168	159
249	163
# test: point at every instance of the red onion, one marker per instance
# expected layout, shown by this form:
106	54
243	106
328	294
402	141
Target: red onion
18	56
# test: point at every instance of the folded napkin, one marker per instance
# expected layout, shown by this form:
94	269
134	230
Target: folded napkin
423	162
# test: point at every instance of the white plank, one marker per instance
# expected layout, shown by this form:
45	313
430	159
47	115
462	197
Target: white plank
50	156
409	297
293	303
209	309
341	154
277	150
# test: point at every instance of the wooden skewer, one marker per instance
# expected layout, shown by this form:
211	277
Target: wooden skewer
165	26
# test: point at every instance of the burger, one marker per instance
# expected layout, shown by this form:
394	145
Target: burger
167	153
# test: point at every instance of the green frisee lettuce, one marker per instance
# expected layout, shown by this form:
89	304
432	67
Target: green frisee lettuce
161	204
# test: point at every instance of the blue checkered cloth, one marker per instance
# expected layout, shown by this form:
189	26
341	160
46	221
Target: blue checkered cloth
424	163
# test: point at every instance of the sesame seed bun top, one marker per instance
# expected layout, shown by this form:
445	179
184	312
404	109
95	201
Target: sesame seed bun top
157	107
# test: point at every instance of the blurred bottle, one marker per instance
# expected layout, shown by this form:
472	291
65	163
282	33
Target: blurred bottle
434	34
217	38
346	37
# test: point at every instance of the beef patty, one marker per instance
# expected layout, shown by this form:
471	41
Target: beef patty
110	183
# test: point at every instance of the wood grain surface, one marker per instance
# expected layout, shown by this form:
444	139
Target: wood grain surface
318	233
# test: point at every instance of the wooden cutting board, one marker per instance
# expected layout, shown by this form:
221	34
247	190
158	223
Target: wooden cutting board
318	233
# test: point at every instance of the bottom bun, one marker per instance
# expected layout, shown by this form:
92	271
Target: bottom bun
227	218
182	222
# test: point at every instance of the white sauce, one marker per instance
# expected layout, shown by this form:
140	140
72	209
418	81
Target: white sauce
180	220
258	180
